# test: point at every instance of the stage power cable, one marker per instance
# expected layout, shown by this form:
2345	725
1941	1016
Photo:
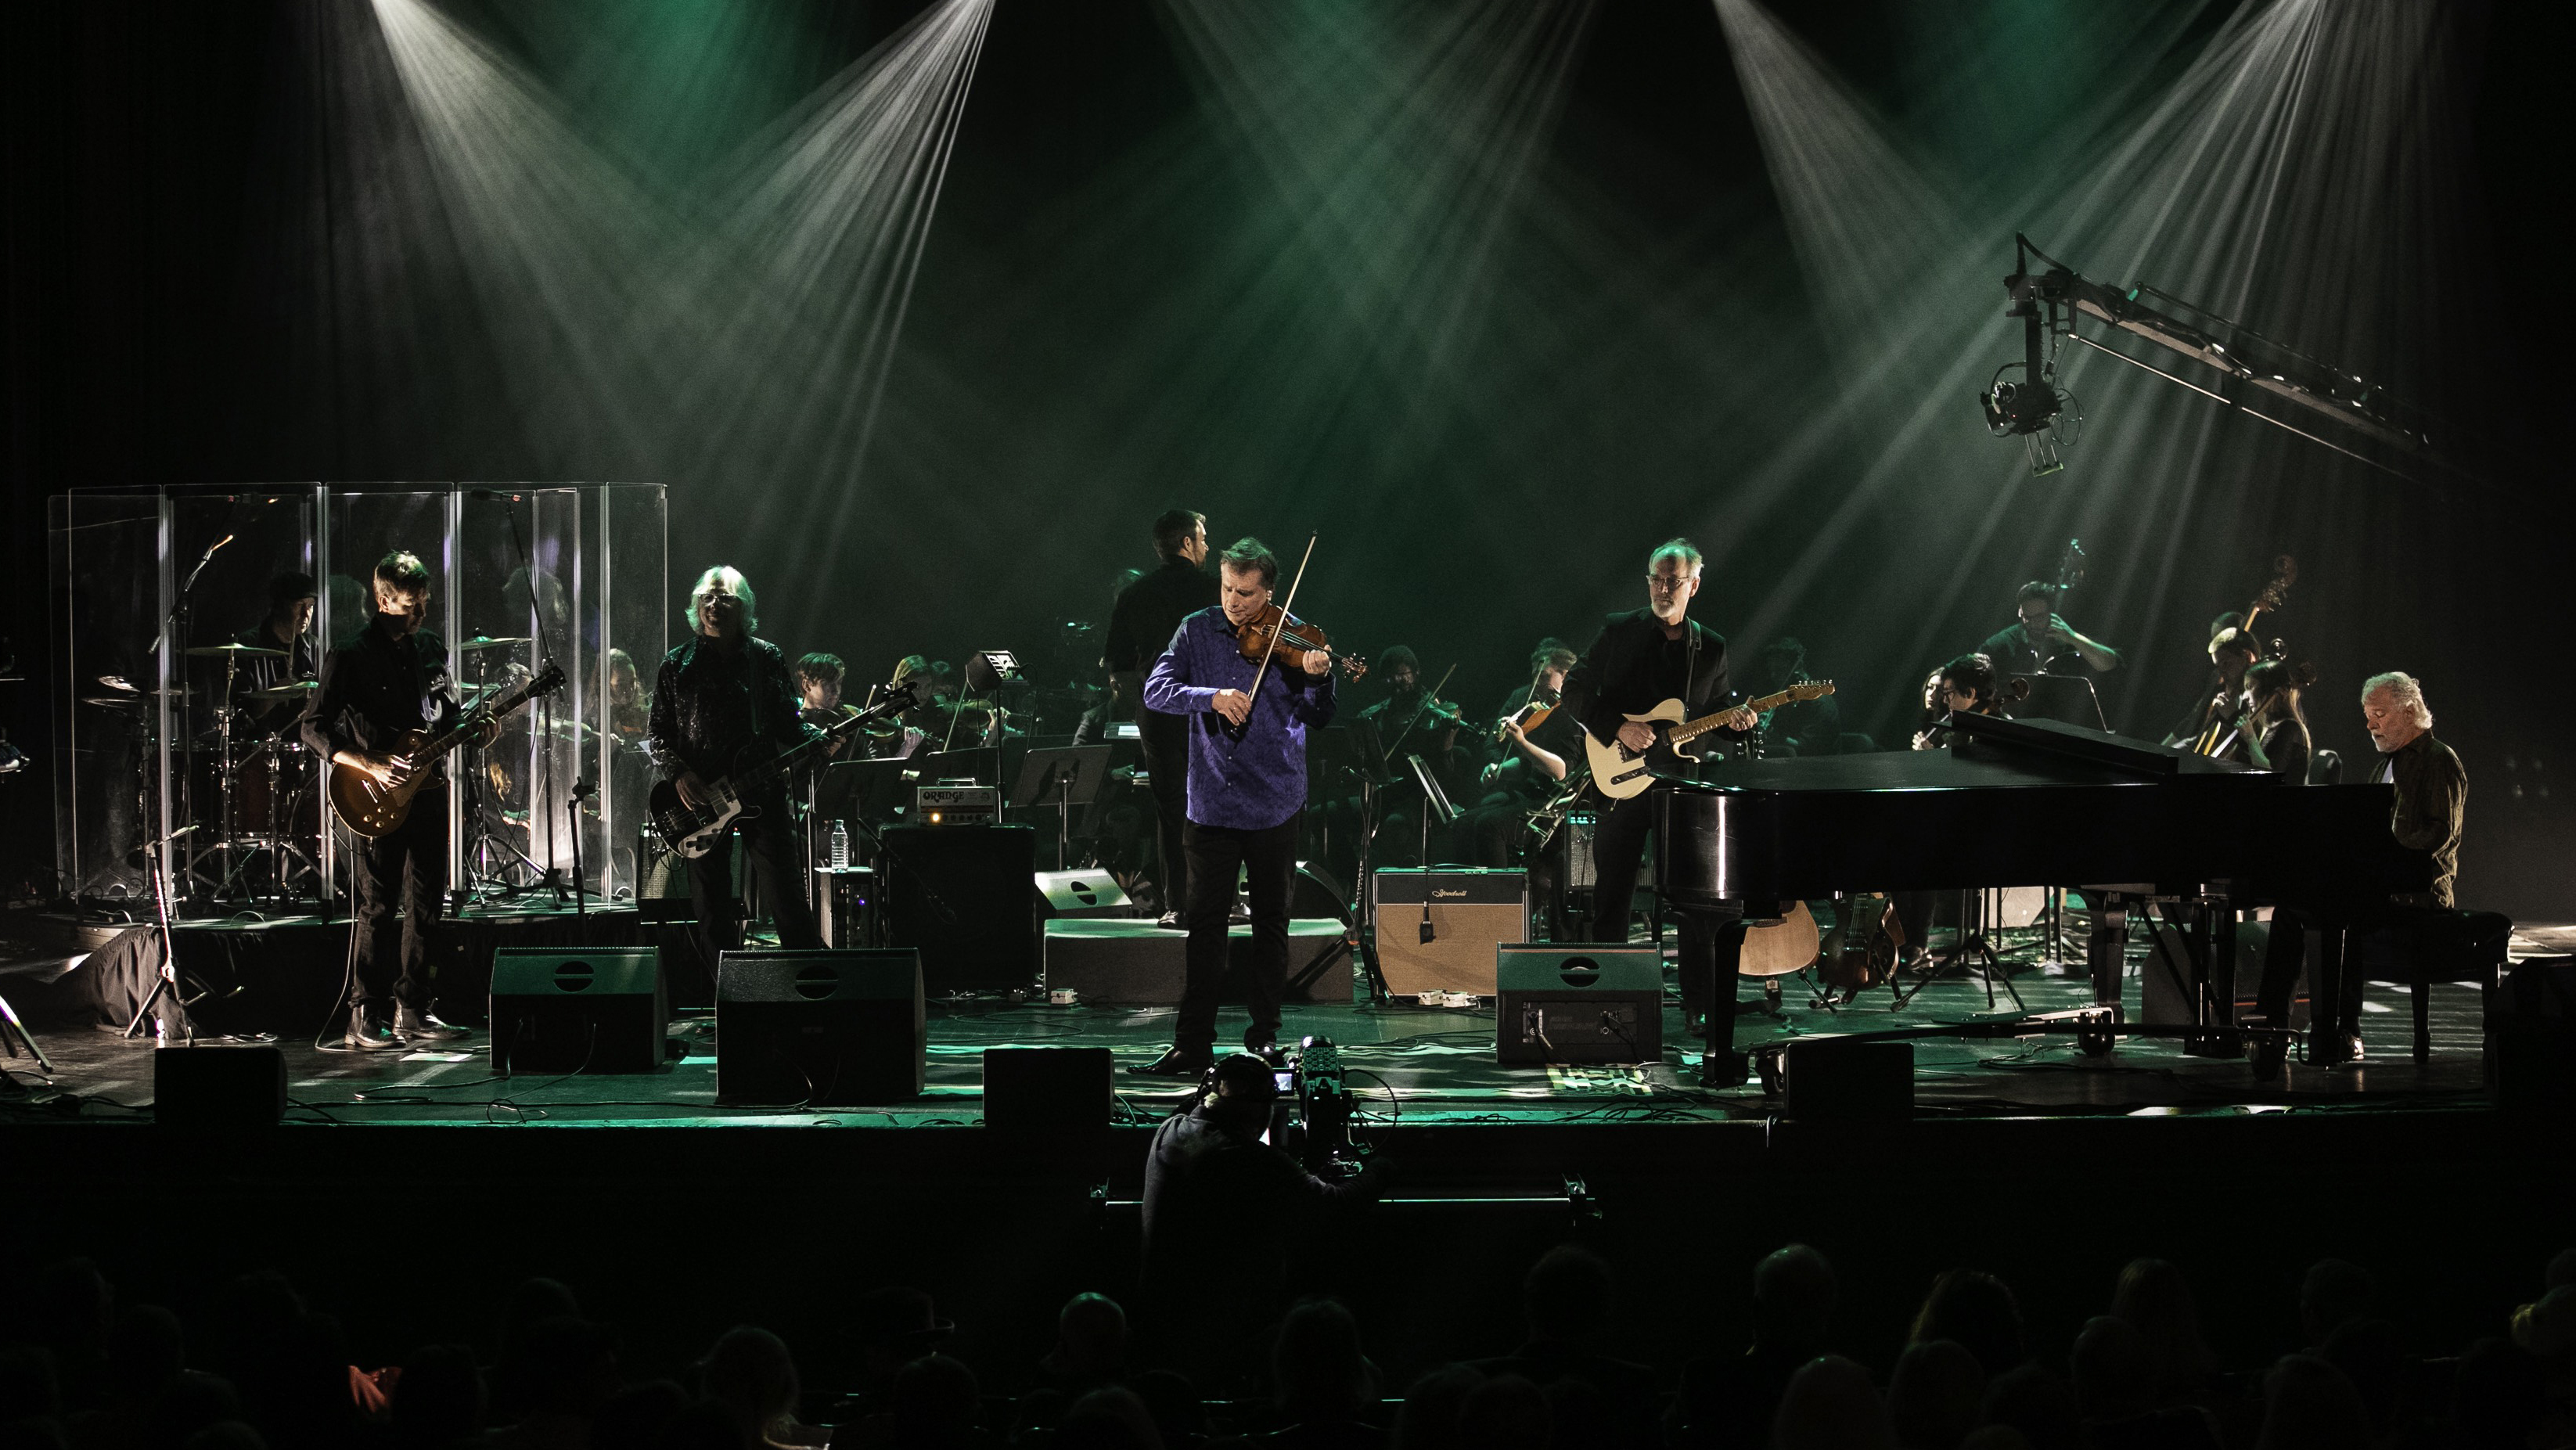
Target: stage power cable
2255	375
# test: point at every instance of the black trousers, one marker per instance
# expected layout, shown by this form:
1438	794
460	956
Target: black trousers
1268	860
777	855
405	869
1618	845
1164	740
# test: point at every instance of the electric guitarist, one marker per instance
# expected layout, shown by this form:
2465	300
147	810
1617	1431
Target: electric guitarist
389	680
1637	662
724	702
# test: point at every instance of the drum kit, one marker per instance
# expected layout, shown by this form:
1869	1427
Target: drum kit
259	777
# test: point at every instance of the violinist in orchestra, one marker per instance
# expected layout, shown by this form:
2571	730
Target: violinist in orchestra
1637	662
1800	727
1411	721
2041	643
819	703
1532	748
1249	697
1967	685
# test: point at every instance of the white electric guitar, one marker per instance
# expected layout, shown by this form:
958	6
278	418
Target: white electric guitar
1619	772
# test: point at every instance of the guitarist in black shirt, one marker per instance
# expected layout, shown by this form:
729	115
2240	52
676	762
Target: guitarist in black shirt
389	679
1638	661
723	703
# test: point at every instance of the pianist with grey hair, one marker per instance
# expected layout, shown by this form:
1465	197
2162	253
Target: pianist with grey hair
2432	790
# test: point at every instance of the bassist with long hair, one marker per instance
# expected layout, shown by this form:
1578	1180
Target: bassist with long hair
723	703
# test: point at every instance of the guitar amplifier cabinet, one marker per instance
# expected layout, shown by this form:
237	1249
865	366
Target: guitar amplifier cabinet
1472	913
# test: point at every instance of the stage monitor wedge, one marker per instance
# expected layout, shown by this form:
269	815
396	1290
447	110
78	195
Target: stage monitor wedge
1567	1003
578	1011
820	1029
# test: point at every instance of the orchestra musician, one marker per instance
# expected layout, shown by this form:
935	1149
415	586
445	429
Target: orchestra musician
2040	643
390	678
1142	622
1965	686
2273	734
818	689
1637	661
1527	765
722	702
2232	651
1800	727
1410	721
1247	789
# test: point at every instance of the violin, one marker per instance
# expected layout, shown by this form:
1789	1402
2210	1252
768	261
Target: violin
1532	713
1273	629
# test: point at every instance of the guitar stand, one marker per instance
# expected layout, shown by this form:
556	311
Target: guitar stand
1972	950
13	1032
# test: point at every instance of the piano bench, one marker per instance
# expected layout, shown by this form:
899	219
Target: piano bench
2431	946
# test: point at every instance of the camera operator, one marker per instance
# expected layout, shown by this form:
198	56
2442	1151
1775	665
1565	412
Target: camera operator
1222	1206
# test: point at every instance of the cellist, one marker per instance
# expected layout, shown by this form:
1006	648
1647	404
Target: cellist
1248	720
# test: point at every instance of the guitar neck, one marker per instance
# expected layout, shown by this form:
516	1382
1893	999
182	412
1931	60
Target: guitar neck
1693	729
462	732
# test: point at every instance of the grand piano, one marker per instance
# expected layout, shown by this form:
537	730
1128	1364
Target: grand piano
2022	802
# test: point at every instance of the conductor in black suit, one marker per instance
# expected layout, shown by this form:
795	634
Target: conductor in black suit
1638	661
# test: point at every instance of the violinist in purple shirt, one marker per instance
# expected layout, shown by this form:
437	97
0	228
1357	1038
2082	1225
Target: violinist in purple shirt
1247	786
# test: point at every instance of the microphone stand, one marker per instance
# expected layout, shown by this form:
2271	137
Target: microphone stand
582	789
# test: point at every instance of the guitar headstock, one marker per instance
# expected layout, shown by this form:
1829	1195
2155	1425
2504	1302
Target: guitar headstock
1811	689
1354	666
548	679
2285	572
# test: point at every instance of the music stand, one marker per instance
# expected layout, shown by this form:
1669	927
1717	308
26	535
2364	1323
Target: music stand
1062	776
2066	699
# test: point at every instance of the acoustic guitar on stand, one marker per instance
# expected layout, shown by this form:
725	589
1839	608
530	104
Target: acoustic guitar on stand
1619	772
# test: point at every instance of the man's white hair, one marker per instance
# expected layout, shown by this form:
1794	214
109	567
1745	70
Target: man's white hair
728	578
2404	692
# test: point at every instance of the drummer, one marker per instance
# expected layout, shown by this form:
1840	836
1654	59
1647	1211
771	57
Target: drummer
288	632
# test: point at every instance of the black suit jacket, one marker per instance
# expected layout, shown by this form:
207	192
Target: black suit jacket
1615	677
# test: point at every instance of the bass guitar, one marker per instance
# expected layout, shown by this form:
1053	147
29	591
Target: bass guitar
371	808
695	830
1619	772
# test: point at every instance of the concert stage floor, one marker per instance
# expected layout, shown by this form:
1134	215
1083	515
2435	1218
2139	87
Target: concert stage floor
1415	1067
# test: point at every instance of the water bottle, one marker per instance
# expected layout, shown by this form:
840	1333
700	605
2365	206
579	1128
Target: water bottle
840	845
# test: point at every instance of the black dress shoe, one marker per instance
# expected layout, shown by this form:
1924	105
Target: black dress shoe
370	1034
423	1026
1174	1063
1169	921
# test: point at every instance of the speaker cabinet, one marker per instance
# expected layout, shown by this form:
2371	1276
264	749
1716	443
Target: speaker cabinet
578	1011
218	1088
1472	912
1568	1003
1081	894
960	896
1835	1080
1065	1090
830	1029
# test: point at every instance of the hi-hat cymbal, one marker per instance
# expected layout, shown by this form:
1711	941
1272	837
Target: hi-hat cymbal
247	651
289	690
484	641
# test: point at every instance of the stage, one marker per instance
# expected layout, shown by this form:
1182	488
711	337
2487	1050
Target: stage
1413	1067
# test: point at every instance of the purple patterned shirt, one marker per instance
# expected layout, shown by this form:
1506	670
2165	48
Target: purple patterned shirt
1257	780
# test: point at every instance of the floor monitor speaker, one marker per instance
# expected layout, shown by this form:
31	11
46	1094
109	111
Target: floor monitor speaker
578	1011
1568	1003
829	1029
218	1087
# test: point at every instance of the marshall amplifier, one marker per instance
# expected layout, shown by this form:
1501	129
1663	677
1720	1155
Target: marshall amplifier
1471	913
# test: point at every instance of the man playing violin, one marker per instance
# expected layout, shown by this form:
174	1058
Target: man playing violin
1247	787
1411	721
1637	661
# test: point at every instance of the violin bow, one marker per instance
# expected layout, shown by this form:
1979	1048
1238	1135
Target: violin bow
1429	699
1262	672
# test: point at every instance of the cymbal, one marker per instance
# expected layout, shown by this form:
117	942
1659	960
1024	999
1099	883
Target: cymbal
289	690
113	702
247	651
485	641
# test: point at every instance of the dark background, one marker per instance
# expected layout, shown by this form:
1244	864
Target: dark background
216	271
